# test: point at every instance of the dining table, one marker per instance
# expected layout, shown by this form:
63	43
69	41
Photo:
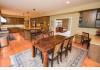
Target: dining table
46	44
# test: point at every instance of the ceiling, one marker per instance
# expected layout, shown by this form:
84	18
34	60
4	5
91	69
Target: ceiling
41	6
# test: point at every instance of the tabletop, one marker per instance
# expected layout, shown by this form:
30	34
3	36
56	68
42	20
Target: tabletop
46	44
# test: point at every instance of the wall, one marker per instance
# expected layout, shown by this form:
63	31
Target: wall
73	24
74	19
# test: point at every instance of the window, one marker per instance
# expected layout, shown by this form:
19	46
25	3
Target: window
62	24
3	20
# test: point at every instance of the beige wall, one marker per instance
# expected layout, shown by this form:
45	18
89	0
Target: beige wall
74	19
73	24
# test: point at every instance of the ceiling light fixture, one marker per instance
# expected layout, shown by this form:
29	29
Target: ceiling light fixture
34	9
67	2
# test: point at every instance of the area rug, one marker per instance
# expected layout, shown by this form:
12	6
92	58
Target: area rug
25	59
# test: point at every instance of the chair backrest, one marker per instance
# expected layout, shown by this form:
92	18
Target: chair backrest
77	38
68	42
85	36
65	43
57	49
38	37
45	35
51	33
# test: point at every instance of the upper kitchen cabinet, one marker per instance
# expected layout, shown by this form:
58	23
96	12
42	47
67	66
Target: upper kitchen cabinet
13	20
40	22
98	19
89	18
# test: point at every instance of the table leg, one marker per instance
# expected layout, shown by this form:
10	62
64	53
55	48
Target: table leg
33	49
45	59
61	54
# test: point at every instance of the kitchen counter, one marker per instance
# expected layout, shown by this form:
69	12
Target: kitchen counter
94	49
4	32
4	38
95	40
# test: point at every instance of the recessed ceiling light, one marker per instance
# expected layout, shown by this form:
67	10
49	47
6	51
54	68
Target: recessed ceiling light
67	2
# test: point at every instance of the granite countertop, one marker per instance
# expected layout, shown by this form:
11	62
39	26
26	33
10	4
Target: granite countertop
95	40
4	33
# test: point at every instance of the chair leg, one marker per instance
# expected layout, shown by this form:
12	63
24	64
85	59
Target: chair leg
61	53
52	63
41	56
88	45
70	49
35	50
66	52
82	43
61	56
57	60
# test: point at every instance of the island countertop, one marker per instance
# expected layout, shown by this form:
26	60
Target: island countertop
94	49
95	40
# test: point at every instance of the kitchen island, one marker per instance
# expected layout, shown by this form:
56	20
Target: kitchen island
94	49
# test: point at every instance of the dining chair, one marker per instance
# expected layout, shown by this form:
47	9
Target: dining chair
86	39
78	39
38	37
54	54
34	33
51	33
69	47
45	35
66	46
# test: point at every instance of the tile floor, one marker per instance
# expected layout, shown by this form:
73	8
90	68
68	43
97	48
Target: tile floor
20	44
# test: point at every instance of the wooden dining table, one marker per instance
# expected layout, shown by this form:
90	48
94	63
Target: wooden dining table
46	44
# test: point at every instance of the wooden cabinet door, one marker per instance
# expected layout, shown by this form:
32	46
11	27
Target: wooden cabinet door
14	20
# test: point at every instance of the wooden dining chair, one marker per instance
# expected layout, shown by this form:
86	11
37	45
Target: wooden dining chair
78	39
86	39
54	54
51	33
38	37
45	35
33	33
66	46
69	47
